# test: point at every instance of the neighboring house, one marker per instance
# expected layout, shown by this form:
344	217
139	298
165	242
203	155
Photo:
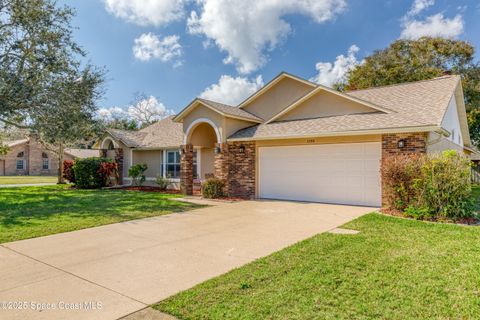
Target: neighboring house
29	157
297	140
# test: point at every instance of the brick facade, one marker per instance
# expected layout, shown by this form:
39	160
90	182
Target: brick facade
241	169
186	169
415	143
33	160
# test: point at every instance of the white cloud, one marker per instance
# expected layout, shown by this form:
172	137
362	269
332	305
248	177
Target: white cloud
433	26
111	114
330	73
245	28
149	46
231	90
418	6
146	12
148	110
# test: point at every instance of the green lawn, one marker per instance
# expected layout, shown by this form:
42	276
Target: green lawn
28	212
27	179
393	269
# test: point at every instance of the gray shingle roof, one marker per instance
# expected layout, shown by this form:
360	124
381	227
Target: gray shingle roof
162	134
421	103
230	110
83	153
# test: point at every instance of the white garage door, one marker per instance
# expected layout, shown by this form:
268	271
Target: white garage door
346	173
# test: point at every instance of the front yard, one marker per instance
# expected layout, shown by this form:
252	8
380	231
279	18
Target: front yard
5	180
29	212
394	268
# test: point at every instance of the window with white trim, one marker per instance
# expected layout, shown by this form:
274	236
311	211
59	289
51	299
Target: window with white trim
173	164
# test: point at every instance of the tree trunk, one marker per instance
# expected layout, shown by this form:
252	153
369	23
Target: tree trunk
61	150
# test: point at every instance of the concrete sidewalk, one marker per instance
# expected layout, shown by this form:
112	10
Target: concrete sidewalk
111	271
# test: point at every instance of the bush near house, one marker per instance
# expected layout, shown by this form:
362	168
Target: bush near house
162	182
68	173
428	186
212	188
89	174
137	173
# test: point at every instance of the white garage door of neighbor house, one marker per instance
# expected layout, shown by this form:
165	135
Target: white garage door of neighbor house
346	173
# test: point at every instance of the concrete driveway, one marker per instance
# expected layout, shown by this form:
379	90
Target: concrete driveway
111	271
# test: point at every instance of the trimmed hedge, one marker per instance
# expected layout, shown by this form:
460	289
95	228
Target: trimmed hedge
88	173
434	186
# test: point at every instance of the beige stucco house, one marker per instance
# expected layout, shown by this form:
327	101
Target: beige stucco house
29	157
297	140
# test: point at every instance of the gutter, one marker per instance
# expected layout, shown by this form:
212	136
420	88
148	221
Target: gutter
430	128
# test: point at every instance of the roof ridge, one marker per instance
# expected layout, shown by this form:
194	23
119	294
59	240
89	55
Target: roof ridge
210	101
404	83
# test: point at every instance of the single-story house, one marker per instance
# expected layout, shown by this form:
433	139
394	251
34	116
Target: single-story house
29	157
297	140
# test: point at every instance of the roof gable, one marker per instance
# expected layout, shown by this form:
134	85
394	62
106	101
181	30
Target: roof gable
324	101
220	108
276	95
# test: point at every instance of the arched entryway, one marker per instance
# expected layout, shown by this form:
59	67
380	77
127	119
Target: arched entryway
199	153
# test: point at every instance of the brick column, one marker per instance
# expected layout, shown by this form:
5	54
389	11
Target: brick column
241	171
221	164
186	169
119	161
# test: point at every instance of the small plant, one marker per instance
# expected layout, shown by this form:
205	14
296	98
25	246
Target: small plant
68	173
137	173
162	182
212	188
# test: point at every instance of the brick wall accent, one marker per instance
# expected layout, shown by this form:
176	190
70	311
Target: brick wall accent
32	158
221	162
415	143
119	161
241	170
186	169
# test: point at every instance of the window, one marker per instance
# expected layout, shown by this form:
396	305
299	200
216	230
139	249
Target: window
173	164
45	164
20	154
20	164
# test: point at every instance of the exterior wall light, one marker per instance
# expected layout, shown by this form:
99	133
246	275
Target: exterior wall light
401	144
218	150
182	151
241	149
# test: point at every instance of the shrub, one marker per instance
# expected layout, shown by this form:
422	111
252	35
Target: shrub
429	186
137	173
108	170
444	186
68	173
162	182
212	188
398	174
88	174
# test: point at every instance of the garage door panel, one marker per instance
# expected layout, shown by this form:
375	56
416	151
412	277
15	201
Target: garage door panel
334	173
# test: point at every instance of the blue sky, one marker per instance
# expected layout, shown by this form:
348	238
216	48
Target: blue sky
182	55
